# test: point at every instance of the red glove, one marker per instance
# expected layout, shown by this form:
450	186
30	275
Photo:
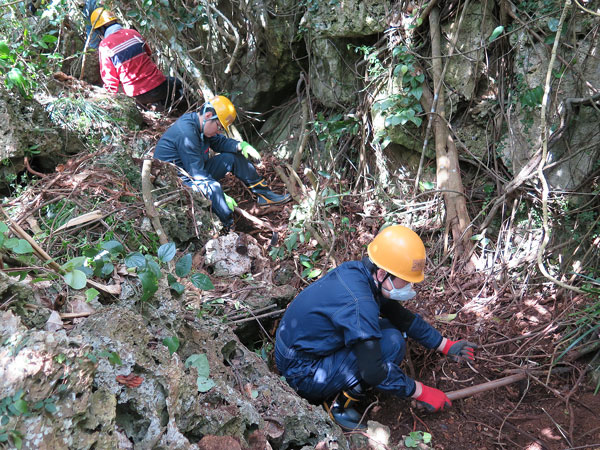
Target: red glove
433	399
459	349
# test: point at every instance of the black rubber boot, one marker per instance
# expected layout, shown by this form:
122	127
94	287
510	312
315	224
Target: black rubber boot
342	411
265	196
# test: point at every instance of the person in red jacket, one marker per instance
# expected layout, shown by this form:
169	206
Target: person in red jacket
125	59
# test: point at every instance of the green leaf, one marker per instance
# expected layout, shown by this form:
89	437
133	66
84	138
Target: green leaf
497	32
426	185
204	384
49	38
113	247
76	279
314	273
115	359
153	266
3	227
177	287
4	50
200	362
21	406
50	407
426	437
4	421
107	269
231	203
553	24
91	294
202	281
91	357
17	440
74	263
23	247
15	77
446	317
166	252
135	259
550	39
172	343
184	265
149	283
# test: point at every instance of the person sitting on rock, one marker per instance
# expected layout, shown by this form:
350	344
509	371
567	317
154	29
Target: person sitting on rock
125	59
346	332
186	144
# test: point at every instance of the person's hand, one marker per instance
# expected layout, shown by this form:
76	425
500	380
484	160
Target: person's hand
459	349
431	398
230	201
248	150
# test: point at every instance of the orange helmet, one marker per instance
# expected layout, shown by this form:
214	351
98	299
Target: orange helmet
225	111
399	251
101	17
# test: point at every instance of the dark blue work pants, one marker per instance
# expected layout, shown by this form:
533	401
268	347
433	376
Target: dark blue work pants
218	166
319	379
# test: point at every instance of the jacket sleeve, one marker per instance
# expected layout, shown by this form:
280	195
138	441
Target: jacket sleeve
412	324
222	144
108	72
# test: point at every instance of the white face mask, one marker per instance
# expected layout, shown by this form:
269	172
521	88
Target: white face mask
403	294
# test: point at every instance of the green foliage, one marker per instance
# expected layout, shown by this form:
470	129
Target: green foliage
403	107
172	343
112	357
16	406
200	363
28	54
415	438
330	130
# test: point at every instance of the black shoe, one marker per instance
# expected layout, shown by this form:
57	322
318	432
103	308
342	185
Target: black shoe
266	197
347	418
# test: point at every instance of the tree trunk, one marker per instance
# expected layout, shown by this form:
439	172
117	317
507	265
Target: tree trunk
448	170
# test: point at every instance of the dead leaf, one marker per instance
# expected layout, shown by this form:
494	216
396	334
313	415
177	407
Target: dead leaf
131	380
80	220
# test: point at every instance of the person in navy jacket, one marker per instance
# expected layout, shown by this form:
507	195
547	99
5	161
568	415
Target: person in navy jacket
125	59
187	142
346	332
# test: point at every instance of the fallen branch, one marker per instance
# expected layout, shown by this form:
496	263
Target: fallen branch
149	203
472	390
253	219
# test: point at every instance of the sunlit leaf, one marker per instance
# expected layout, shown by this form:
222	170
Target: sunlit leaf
166	252
497	32
76	279
91	294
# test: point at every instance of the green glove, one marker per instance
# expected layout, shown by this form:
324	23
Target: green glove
247	149
230	201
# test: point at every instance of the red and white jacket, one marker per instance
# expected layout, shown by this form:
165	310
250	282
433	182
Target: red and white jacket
125	58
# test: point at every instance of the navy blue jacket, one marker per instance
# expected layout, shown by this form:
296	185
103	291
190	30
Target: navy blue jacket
183	145
343	308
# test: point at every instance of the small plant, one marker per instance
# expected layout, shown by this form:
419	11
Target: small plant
416	437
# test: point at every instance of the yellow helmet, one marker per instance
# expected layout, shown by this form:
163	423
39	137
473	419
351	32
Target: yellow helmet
399	251
224	109
101	17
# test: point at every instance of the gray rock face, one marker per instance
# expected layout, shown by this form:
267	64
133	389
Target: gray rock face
112	383
27	131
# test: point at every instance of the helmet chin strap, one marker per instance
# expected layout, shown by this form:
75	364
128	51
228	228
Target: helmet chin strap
380	283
